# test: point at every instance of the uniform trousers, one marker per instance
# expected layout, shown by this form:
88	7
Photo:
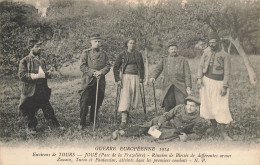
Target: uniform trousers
173	98
88	98
32	104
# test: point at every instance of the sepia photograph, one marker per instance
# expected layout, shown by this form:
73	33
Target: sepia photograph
129	81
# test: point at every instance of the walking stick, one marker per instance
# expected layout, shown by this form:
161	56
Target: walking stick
117	101
154	98
96	105
143	99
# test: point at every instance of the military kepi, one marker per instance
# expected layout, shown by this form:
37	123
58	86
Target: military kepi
95	37
33	42
172	43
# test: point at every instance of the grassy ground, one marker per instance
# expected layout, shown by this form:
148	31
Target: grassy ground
244	106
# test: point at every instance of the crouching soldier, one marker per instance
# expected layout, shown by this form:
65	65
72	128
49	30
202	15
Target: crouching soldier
94	66
183	122
35	92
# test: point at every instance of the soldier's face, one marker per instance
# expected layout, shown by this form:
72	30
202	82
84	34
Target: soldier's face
96	43
131	44
213	44
37	49
191	107
173	50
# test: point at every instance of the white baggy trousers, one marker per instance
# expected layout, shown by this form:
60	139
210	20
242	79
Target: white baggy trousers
213	105
130	92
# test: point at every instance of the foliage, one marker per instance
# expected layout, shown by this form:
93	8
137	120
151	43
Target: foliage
69	24
236	19
19	23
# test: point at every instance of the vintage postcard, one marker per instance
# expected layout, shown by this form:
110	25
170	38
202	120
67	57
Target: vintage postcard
129	81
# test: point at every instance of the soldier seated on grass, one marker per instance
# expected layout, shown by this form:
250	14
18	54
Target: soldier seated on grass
182	122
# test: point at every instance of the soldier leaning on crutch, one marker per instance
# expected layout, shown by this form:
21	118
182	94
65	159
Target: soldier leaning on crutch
130	62
94	65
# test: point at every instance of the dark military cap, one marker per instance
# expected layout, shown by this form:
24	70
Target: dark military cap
213	35
33	42
193	99
172	43
95	36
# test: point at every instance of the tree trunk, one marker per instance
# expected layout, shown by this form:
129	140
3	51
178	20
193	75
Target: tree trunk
229	47
247	63
146	66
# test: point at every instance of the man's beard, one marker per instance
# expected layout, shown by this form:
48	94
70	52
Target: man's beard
173	54
97	49
214	48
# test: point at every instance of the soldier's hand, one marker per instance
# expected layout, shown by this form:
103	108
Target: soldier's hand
97	74
183	137
152	80
223	91
199	83
155	127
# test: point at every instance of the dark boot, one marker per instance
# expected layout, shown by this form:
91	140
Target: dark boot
83	115
213	130
223	132
32	123
54	122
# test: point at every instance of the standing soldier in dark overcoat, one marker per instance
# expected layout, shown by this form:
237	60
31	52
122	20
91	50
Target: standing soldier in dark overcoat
35	93
94	65
177	78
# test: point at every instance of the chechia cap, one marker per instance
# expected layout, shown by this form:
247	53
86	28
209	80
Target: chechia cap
213	36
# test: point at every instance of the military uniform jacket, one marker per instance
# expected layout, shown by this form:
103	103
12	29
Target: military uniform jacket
181	121
175	72
221	64
122	61
91	61
30	64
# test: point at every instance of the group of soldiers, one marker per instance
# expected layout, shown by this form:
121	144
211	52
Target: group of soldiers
184	113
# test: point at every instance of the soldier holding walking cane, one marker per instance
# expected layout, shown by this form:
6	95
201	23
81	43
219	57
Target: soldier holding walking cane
177	78
130	63
94	65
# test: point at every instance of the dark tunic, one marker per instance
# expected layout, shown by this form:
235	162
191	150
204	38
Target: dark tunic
35	94
124	59
176	73
131	67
